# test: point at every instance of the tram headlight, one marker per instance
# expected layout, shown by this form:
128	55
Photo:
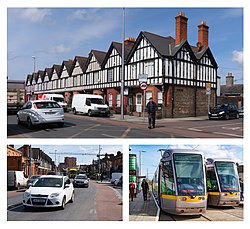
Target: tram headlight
201	198
183	198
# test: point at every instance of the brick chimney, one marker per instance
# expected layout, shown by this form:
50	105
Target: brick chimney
129	41
202	36
230	80
180	28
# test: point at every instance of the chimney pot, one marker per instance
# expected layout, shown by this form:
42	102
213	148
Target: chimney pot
203	34
180	28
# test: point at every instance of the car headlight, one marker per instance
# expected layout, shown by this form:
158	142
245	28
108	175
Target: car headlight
26	194
53	195
222	112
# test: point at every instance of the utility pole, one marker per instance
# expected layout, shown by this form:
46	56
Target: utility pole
122	76
99	161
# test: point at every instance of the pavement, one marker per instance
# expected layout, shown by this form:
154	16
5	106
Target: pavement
137	119
140	210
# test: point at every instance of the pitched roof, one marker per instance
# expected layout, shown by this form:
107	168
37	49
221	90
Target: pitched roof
236	89
99	55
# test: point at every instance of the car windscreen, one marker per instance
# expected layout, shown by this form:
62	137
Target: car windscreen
97	101
46	105
49	182
81	177
58	99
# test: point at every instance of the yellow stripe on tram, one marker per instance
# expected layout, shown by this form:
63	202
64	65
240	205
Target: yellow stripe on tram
227	194
184	198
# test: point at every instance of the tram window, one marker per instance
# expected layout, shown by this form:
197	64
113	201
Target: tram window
167	181
212	184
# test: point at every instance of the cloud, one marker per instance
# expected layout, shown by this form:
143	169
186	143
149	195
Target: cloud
84	14
237	56
59	49
34	14
233	13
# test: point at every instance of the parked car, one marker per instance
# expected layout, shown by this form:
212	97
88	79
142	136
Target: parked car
118	182
241	112
16	179
41	112
31	180
49	191
224	111
81	180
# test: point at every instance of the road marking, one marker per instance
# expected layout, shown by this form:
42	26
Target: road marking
227	134
14	206
125	134
92	211
90	128
195	129
110	136
118	194
221	125
158	208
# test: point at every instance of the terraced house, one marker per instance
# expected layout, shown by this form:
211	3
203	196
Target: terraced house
177	73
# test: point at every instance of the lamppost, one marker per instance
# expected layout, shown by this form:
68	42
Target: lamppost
34	61
123	68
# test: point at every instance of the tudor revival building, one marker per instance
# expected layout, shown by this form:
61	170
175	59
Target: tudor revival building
177	73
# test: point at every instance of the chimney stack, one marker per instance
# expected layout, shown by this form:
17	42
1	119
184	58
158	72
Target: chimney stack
180	28
230	80
202	36
129	41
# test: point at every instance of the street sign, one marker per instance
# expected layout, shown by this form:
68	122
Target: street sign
208	88
143	85
142	77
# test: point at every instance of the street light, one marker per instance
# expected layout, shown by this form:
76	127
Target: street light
34	59
142	151
122	75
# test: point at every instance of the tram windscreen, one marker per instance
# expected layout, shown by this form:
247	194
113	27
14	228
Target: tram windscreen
189	174
228	176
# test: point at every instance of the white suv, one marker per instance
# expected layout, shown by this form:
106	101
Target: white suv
49	191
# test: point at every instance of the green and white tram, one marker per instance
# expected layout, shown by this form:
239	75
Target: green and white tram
223	187
179	183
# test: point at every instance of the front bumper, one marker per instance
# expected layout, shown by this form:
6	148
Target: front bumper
44	202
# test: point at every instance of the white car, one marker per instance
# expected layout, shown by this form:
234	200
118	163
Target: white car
49	191
36	112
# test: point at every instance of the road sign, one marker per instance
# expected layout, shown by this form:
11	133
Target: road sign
208	88
143	85
142	77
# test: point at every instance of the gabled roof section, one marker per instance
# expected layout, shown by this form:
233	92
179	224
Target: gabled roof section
57	68
34	77
199	54
160	44
99	55
82	62
174	49
28	79
236	89
118	47
67	64
49	72
40	74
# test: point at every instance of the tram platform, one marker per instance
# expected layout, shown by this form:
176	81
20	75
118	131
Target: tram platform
140	210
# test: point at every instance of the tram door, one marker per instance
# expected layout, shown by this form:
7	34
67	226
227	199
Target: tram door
138	102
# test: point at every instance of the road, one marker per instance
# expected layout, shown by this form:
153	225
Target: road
80	126
89	205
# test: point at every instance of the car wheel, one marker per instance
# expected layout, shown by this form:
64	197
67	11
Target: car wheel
63	203
30	125
61	124
72	198
74	111
18	120
90	113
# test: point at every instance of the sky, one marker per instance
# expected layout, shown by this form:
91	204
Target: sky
150	156
70	150
53	35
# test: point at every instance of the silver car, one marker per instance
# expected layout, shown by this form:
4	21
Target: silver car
36	112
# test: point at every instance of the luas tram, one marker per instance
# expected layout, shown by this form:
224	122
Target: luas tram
223	187
179	183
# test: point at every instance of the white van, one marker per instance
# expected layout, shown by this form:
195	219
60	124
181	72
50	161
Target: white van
89	104
16	179
115	176
56	97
